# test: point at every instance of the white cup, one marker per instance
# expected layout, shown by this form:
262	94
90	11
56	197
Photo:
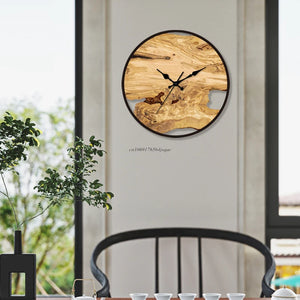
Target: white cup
138	296
83	298
236	296
162	296
187	296
211	296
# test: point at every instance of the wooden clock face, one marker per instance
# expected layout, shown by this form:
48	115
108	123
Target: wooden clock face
175	83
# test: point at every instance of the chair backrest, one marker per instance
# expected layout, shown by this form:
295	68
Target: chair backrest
178	233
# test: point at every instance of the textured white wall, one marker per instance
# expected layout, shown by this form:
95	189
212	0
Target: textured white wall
200	182
254	136
94	93
194	184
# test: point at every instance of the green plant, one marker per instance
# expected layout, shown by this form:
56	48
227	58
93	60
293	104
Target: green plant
51	236
59	188
17	136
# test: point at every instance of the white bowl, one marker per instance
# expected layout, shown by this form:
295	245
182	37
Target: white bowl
187	296
138	296
236	296
211	296
162	296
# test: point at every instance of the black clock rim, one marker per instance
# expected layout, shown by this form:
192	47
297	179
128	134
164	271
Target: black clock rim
196	130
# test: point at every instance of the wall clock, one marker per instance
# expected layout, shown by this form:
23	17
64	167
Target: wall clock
175	83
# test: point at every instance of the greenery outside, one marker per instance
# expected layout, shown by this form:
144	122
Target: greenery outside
51	236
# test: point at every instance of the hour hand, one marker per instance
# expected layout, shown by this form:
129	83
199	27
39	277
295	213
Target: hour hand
166	76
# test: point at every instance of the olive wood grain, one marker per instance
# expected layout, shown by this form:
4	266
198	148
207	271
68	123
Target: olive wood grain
174	54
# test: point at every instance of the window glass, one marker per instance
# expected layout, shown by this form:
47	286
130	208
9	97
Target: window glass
37	57
289	108
287	258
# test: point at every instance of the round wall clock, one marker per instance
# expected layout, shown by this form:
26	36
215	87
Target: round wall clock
175	83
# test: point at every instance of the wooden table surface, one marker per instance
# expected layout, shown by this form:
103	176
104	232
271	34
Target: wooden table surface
152	298
127	298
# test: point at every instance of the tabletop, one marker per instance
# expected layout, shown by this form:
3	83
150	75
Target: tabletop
152	298
127	298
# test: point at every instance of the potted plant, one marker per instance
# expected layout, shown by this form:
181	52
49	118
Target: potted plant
16	136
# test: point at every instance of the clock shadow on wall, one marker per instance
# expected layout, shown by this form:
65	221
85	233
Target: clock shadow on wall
175	83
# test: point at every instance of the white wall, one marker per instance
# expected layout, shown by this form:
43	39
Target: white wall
94	62
200	182
254	157
194	184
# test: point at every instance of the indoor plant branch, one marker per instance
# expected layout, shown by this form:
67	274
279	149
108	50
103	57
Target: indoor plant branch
35	216
17	136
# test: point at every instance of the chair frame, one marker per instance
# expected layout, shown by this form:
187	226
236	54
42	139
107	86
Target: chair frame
180	232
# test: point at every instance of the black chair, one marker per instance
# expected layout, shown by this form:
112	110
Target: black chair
198	233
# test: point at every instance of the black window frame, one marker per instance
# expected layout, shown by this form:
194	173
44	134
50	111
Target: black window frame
78	251
276	226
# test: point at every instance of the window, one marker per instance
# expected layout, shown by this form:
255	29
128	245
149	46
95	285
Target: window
289	147
38	81
282	146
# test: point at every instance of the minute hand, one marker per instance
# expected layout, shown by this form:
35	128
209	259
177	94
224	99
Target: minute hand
192	74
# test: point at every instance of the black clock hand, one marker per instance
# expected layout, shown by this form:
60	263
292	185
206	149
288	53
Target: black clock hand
166	76
192	74
169	93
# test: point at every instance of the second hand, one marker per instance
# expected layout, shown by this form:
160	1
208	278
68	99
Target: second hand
169	93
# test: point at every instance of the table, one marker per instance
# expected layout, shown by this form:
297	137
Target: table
127	298
152	298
